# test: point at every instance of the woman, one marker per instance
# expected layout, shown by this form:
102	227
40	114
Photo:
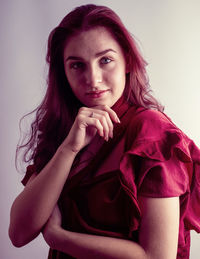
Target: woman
125	178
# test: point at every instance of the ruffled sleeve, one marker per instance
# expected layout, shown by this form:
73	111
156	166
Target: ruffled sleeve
165	167
162	162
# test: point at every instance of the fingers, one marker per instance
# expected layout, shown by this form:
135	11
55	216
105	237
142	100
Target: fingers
106	123
112	114
100	117
86	122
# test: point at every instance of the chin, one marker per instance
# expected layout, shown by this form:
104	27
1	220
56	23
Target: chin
98	103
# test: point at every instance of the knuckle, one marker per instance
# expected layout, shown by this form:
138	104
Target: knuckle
96	121
79	118
82	109
104	114
105	106
102	117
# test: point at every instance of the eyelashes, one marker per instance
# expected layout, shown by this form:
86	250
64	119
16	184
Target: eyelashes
79	65
105	60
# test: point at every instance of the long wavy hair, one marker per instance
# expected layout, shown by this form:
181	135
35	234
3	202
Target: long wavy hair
55	115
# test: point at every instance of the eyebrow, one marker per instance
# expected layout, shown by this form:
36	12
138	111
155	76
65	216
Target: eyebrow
101	53
104	52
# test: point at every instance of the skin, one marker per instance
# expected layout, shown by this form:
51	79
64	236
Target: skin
96	71
158	234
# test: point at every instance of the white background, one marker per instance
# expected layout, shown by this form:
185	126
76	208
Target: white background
168	32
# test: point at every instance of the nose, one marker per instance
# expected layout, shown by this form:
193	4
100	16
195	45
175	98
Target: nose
93	76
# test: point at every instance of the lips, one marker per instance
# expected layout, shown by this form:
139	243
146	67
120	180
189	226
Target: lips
97	94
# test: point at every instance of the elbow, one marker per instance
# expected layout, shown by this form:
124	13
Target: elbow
20	232
18	238
17	243
15	238
15	231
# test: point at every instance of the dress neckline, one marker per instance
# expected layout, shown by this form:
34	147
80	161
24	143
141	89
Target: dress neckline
120	107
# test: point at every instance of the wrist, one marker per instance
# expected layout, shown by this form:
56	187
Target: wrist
67	149
64	151
51	234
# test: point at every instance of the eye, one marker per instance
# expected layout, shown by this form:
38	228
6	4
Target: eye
105	60
77	65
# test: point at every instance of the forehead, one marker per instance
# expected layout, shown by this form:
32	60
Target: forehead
90	42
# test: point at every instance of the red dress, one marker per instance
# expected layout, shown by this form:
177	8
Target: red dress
148	156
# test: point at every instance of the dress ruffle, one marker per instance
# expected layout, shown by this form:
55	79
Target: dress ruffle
161	161
149	156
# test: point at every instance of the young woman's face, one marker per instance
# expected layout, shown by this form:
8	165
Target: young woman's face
95	67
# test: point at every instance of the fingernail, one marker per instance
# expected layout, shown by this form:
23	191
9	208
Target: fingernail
117	119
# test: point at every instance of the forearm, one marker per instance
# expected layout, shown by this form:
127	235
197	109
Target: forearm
34	205
92	246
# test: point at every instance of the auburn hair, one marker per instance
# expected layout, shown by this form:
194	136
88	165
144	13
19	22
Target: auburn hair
55	115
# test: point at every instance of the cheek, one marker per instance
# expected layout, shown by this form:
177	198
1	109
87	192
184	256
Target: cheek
71	78
74	77
117	76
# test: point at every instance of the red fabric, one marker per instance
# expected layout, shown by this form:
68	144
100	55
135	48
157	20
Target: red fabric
148	156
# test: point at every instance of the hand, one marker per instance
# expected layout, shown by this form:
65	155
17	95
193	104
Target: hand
88	123
54	222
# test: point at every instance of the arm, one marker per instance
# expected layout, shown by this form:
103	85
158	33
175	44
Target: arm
158	235
34	205
160	227
32	208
